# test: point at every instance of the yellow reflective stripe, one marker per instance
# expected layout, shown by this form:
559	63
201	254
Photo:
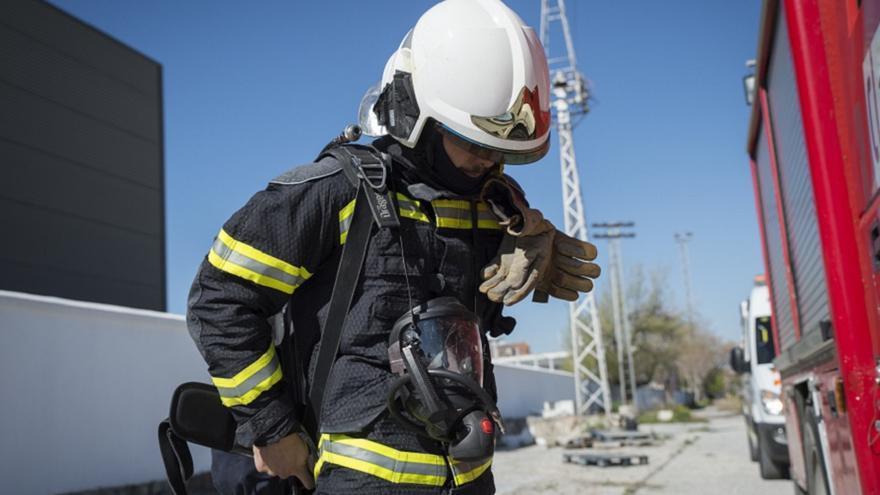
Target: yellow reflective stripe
267	359
471	475
266	259
452	213
240	271
240	377
414	215
347	210
390	464
318	465
345	220
403	197
454	223
379	460
254	392
409	208
378	448
381	472
458	204
460	216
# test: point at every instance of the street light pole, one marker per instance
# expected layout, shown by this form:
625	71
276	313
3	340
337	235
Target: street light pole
622	330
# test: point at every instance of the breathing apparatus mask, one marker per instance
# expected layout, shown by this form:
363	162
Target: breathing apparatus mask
436	349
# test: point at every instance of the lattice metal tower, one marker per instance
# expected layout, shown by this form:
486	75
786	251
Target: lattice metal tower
570	101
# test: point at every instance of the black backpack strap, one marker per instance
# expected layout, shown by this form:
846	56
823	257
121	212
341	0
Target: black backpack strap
176	458
371	169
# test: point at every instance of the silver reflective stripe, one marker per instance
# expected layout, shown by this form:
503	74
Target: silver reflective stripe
254	380
382	461
223	251
461	218
452	212
407	203
344	225
486	215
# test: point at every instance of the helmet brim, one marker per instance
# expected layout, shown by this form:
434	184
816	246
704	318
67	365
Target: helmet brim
507	157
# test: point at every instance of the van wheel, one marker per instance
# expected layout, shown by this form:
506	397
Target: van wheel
753	448
769	469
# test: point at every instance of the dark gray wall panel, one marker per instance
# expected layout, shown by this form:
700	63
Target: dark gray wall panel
81	146
62	242
87	45
41	124
805	247
782	315
35	279
25	63
47	182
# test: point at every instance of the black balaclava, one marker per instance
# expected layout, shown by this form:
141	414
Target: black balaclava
429	163
447	173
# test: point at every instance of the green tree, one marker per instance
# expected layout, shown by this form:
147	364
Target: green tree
656	330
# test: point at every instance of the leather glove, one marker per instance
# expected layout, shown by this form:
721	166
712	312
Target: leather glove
521	263
533	255
570	269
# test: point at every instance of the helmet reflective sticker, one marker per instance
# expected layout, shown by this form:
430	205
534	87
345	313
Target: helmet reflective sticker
524	121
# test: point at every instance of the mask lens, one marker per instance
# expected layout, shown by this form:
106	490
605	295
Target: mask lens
452	344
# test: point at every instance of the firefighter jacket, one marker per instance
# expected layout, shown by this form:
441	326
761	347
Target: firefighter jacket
284	246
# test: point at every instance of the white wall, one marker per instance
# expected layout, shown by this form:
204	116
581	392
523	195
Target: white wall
522	391
84	387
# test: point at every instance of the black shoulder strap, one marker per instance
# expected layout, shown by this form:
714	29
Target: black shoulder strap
176	458
371	170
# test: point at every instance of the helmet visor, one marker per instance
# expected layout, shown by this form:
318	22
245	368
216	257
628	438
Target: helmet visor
509	157
453	344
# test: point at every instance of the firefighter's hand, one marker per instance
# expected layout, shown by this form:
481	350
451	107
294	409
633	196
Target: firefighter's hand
571	269
285	458
520	264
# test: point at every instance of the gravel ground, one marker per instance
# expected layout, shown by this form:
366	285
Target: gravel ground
696	458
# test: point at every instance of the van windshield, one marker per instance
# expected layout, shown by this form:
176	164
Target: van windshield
764	340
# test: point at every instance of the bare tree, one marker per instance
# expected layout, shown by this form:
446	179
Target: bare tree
700	352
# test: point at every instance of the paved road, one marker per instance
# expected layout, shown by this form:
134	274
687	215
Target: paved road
698	458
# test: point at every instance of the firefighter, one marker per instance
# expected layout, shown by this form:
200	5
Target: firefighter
466	92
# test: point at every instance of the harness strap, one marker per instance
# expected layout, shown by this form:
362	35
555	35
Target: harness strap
353	253
370	171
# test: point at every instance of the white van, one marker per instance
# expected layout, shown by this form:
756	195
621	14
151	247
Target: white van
762	404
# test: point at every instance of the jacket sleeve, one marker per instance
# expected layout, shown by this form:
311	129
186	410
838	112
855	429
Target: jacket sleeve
263	253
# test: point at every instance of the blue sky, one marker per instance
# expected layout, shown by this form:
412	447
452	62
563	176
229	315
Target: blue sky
253	89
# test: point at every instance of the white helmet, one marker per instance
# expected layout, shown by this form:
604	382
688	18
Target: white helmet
479	72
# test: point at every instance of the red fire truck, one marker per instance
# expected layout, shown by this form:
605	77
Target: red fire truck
814	143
